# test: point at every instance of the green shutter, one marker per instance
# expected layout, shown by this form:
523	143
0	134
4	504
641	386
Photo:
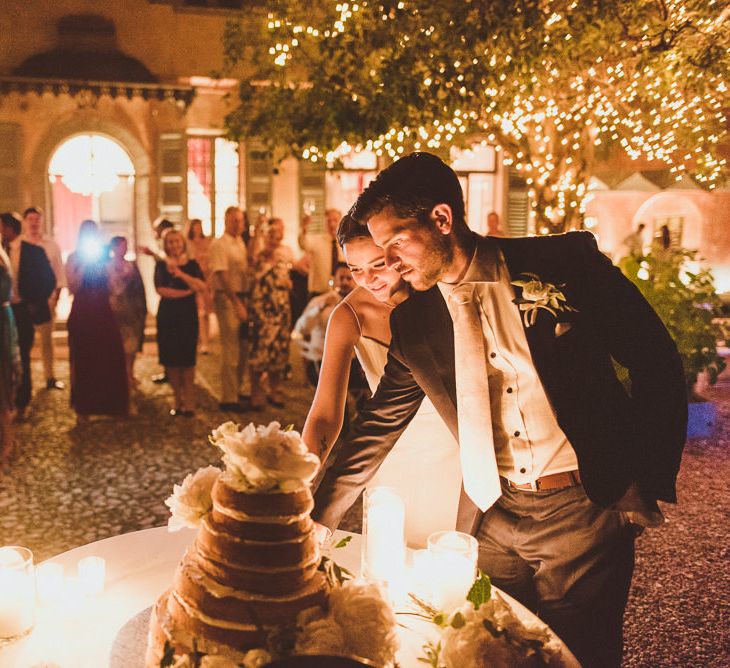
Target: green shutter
259	168
518	206
172	194
312	192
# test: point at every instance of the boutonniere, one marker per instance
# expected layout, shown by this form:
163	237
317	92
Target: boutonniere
537	294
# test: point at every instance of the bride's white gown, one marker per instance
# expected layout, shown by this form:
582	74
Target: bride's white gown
423	467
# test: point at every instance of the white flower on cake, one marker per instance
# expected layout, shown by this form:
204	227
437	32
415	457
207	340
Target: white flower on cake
191	500
264	458
359	622
493	636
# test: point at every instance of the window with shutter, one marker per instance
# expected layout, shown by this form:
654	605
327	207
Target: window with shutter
172	194
311	193
258	180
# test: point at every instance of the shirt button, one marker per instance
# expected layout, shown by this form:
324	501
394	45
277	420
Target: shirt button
517	433
509	390
492	355
523	470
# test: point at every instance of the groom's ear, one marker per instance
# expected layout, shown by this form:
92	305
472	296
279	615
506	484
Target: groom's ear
442	218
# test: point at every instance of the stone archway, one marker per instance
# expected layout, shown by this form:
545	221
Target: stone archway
88	122
667	205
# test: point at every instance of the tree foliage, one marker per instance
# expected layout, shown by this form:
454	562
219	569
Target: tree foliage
545	80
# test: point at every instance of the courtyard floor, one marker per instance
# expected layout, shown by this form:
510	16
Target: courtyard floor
71	485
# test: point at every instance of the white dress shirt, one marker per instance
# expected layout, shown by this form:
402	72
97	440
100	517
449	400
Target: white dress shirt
528	441
228	253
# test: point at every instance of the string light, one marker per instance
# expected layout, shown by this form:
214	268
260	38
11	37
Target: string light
547	126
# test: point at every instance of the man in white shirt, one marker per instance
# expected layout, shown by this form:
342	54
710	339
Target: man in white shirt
35	233
323	251
514	340
228	264
310	328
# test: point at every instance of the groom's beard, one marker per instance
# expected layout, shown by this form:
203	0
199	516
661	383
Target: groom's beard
431	266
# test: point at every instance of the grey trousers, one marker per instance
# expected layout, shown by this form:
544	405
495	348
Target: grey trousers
566	559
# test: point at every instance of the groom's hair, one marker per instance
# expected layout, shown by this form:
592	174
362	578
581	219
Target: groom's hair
412	185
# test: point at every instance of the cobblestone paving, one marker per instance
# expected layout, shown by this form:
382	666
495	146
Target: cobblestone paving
71	485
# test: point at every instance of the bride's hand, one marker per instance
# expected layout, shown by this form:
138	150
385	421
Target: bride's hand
321	533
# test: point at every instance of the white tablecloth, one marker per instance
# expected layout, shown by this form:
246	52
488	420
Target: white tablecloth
139	567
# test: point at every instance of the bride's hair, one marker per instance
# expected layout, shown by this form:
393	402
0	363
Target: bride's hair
350	229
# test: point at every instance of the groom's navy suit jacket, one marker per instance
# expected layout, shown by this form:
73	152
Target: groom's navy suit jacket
618	438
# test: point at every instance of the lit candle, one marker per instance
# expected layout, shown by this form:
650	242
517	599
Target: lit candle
17	592
453	563
49	581
92	572
383	551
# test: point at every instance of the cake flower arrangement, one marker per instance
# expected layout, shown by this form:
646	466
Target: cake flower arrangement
356	619
486	633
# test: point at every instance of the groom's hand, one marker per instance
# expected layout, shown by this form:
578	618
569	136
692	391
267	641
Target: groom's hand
321	533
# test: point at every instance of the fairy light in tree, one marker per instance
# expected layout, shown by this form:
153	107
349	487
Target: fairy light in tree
642	95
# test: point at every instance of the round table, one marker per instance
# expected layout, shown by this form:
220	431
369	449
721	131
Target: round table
80	633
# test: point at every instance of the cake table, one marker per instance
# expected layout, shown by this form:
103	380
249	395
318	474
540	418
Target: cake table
80	633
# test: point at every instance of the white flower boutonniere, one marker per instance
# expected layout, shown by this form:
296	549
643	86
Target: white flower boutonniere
537	294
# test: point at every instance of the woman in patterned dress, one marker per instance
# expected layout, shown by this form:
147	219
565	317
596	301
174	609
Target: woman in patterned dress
127	299
9	360
270	317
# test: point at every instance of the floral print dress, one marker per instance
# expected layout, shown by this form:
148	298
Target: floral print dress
270	317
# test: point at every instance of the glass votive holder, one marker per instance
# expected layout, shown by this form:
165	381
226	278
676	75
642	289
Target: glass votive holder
91	575
49	579
453	564
383	542
17	593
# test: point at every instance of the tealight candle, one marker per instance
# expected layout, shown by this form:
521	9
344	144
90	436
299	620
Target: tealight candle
383	545
453	563
17	592
49	581
92	572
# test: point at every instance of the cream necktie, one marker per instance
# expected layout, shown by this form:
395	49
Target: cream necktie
476	443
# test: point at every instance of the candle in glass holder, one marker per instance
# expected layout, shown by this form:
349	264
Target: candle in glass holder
383	545
453	564
17	593
92	572
49	581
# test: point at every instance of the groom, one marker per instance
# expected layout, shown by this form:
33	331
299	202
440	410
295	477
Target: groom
560	464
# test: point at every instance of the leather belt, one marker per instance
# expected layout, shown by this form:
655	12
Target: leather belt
552	481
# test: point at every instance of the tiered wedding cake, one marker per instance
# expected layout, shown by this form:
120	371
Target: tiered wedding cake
254	561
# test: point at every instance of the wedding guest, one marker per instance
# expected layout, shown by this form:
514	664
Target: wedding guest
494	228
177	280
322	249
228	264
99	380
198	248
34	232
423	467
560	463
310	328
633	244
270	317
9	361
159	226
128	302
33	285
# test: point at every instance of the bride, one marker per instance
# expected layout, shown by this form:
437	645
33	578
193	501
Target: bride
423	467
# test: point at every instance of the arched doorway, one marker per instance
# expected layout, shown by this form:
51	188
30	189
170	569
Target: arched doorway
675	210
91	176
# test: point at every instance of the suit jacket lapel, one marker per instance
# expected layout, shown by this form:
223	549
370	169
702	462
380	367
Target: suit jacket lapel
541	334
437	336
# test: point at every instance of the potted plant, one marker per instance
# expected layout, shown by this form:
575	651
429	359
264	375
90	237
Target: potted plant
682	292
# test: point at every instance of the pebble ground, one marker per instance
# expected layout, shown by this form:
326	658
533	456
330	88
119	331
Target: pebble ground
71	485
